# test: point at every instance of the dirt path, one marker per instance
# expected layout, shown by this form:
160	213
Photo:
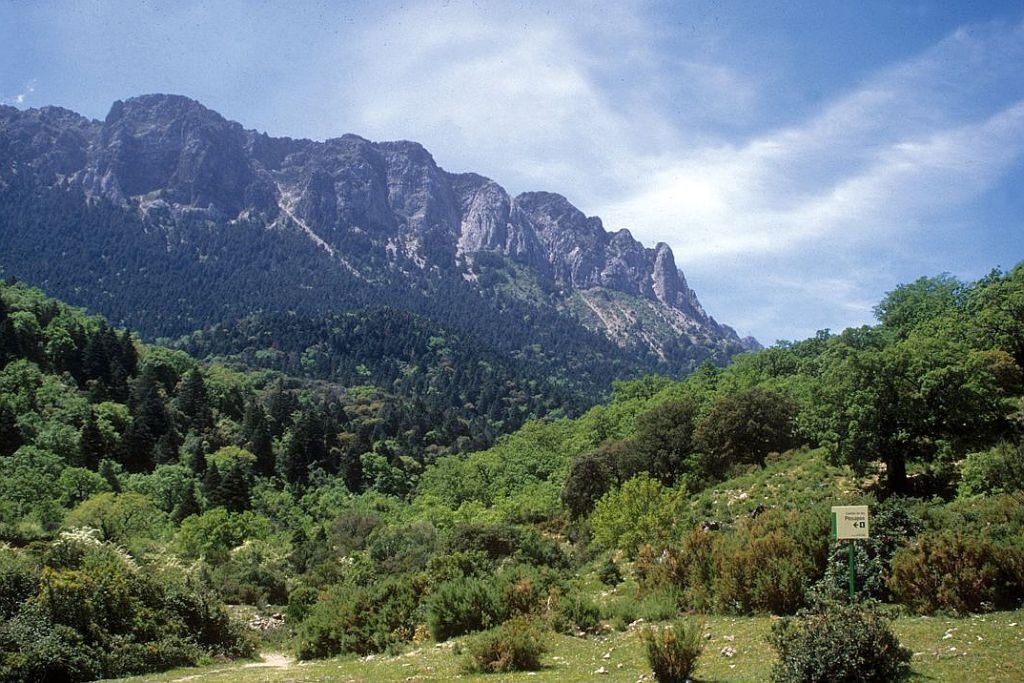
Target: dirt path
269	660
272	660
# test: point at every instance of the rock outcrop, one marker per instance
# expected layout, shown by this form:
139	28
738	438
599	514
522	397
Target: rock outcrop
369	206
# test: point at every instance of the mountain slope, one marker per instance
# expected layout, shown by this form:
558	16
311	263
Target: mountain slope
132	215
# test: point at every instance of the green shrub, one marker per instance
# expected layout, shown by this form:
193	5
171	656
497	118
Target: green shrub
354	619
641	512
462	606
205	622
609	574
516	645
1000	469
672	650
19	580
768	563
764	565
33	648
577	613
497	540
660	605
843	644
166	653
947	570
448	566
529	590
300	600
405	548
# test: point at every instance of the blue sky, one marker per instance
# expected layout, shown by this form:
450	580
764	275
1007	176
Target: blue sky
801	158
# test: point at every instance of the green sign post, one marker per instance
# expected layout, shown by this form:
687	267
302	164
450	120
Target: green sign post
850	522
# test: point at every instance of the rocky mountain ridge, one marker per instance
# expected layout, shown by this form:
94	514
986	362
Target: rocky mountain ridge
378	211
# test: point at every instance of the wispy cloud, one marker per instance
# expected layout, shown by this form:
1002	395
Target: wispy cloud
803	217
19	98
847	186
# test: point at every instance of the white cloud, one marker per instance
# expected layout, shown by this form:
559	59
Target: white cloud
848	186
20	98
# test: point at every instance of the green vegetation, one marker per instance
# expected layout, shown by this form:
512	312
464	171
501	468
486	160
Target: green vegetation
673	650
142	492
843	644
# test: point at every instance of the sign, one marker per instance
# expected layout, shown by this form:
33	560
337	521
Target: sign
849	522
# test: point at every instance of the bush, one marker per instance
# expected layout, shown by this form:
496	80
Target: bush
516	645
672	650
300	600
998	470
359	620
528	590
577	613
660	605
19	580
641	512
462	606
449	566
946	570
766	566
609	574
763	566
843	644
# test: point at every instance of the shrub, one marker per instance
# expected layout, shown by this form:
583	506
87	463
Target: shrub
660	605
33	648
672	650
19	580
300	600
843	644
525	589
448	566
577	613
1000	469
462	606
360	620
946	570
609	574
497	540
516	645
406	548
641	511
205	621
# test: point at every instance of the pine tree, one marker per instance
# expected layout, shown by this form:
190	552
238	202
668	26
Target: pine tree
193	402
306	447
258	440
234	488
150	422
92	446
211	486
280	406
187	506
110	471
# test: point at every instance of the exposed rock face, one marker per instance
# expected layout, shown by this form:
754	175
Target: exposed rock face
368	205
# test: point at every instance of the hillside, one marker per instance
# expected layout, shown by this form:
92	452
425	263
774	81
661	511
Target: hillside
143	491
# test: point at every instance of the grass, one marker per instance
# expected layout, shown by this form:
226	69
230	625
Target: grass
977	648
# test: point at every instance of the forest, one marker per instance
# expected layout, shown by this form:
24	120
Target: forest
383	483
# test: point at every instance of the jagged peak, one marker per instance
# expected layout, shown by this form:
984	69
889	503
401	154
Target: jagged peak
414	151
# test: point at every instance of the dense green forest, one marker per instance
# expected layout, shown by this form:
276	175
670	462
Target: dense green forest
142	491
445	394
143	273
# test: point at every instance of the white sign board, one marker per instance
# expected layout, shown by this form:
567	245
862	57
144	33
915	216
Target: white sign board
849	521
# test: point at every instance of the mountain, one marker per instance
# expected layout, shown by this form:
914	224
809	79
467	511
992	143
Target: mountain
168	218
